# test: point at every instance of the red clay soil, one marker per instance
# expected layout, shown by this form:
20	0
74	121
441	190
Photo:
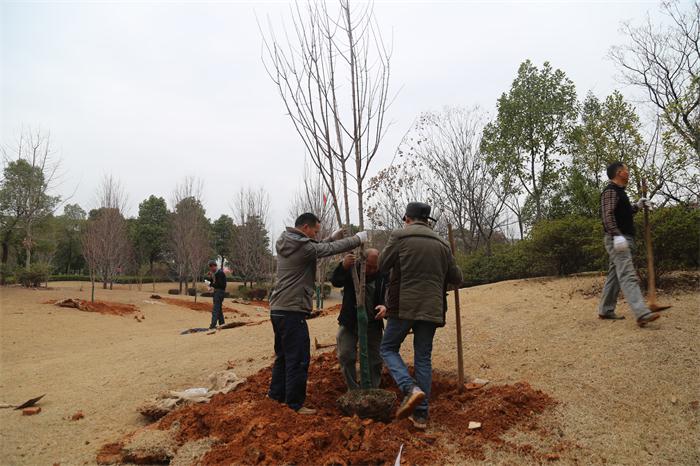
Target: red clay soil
198	306
252	429
102	307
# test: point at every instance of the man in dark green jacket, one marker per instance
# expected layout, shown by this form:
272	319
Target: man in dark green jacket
292	300
421	265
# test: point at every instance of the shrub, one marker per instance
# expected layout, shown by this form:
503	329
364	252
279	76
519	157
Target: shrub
506	262
257	293
35	276
174	291
565	246
675	235
575	244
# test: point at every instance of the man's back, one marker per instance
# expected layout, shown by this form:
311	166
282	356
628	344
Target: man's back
421	266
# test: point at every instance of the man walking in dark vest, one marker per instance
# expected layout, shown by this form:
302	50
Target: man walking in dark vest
618	222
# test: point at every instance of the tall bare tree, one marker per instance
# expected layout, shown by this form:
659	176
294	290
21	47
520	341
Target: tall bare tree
312	197
105	240
189	232
251	244
665	63
333	77
447	149
332	74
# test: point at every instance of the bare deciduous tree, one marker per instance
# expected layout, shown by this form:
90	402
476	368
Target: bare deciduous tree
312	197
665	63
447	148
105	240
333	78
251	244
189	232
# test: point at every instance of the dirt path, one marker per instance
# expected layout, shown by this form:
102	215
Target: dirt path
625	395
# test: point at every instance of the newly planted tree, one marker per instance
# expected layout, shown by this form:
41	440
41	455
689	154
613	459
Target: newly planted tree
333	77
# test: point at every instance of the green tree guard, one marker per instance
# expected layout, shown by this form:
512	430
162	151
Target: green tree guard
362	322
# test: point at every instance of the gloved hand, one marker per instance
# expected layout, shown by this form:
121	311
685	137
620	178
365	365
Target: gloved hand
338	234
620	243
644	203
363	236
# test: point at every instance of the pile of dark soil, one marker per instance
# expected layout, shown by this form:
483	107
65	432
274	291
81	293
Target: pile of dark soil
102	307
246	427
198	306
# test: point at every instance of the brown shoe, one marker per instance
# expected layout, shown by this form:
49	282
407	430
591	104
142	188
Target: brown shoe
409	403
642	321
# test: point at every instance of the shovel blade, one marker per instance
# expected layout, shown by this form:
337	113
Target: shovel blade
657	307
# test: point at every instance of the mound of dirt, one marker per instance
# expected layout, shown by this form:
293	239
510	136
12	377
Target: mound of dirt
248	428
198	306
102	307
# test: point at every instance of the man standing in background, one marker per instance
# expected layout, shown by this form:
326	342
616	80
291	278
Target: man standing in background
421	265
292	302
618	223
218	285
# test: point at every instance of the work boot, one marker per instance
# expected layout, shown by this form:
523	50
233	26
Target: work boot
612	316
642	321
409	403
306	411
419	420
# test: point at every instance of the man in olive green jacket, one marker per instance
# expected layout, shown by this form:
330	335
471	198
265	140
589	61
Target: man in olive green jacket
421	266
291	303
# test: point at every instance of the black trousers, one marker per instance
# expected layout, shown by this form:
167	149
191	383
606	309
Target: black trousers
217	311
292	356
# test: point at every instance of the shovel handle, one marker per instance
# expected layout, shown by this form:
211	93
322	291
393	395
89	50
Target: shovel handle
651	275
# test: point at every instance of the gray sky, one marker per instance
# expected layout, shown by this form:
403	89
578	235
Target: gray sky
152	92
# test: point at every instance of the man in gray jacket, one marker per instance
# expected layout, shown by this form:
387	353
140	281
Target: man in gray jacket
292	301
421	265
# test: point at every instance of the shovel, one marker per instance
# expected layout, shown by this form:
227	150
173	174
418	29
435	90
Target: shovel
651	276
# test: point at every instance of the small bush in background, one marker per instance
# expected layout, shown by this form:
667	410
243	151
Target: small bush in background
34	277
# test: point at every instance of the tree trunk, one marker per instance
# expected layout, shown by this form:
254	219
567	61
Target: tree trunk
5	256
153	278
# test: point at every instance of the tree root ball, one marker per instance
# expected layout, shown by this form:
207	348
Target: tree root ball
371	403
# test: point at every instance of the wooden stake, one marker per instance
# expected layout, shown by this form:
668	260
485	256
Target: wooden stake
458	319
651	274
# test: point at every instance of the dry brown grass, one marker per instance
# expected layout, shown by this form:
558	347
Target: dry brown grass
626	395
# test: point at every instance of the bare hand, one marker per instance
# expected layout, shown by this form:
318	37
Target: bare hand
338	234
349	261
381	312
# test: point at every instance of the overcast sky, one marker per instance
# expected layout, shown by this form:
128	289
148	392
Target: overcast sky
153	92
